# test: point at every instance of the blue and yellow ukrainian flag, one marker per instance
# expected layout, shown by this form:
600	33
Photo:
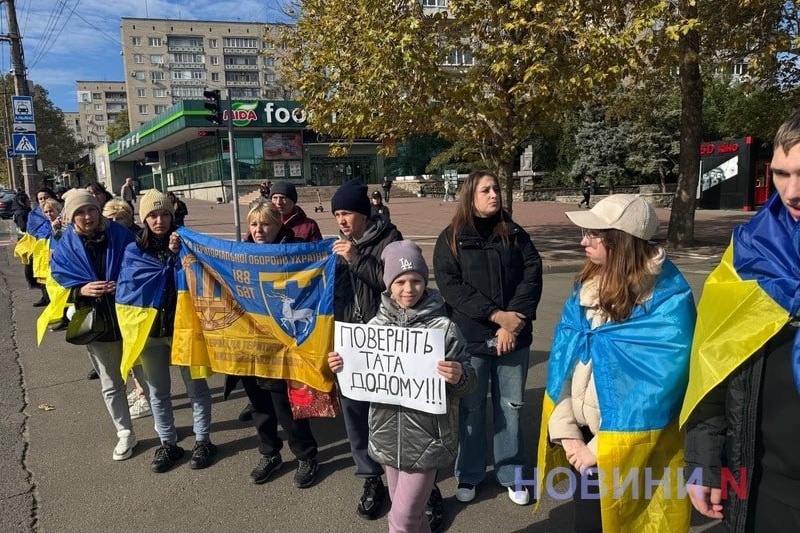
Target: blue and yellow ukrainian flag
256	310
33	241
70	267
751	295
641	368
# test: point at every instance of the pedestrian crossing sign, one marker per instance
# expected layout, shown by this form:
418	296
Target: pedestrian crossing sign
24	143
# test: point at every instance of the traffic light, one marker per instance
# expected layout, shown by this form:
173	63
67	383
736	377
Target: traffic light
214	106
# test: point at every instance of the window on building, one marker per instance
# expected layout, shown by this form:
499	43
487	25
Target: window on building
739	69
459	58
240	42
98	107
159	93
101	139
212	43
138	59
99	118
269	61
101	128
214	60
136	41
434	3
156	59
269	77
141	92
139	75
143	109
198	74
97	96
160	109
215	76
187	92
157	76
154	41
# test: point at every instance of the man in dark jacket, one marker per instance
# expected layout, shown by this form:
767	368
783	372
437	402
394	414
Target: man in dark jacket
284	197
357	297
743	402
22	206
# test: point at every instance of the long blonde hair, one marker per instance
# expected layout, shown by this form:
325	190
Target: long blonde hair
624	276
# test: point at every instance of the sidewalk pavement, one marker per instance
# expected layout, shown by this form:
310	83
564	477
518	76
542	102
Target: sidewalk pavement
558	241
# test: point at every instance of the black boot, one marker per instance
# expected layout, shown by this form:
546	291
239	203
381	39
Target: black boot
44	300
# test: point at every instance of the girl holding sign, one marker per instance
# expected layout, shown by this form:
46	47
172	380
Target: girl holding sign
411	444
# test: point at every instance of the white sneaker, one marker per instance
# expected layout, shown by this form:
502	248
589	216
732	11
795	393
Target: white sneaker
140	409
465	492
522	497
124	448
132	397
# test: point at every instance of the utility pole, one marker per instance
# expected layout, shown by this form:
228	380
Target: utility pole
29	175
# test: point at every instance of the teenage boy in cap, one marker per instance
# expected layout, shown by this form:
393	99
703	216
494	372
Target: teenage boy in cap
357	296
283	195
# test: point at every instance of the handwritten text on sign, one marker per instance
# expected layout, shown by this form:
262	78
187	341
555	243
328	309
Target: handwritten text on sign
392	365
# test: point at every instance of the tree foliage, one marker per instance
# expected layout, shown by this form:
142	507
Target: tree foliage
379	69
119	128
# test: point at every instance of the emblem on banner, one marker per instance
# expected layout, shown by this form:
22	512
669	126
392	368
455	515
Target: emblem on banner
214	303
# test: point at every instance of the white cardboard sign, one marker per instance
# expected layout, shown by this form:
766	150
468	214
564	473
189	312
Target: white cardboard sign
393	365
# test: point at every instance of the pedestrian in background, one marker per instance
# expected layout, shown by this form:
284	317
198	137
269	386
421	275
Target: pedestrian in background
386	185
588	190
180	209
618	370
378	207
490	276
284	197
128	194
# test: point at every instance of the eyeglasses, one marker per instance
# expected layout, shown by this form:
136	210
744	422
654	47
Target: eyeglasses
590	234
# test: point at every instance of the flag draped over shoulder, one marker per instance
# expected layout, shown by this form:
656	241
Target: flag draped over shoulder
70	267
256	310
140	290
30	244
641	369
751	295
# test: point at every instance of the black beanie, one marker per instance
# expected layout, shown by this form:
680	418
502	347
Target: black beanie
285	188
351	196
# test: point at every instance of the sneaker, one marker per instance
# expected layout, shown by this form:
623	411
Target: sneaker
132	397
165	457
371	499
124	448
267	465
465	492
140	409
202	455
521	497
434	511
247	413
306	473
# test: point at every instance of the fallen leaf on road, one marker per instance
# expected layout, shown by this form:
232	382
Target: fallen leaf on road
46	407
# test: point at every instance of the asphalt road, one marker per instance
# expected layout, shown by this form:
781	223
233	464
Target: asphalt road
56	440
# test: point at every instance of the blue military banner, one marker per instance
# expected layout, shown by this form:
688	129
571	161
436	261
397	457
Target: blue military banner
256	310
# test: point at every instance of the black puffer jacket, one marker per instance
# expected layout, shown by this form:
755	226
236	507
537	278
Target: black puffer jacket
488	276
405	438
722	431
359	285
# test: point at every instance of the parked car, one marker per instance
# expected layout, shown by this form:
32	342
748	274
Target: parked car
6	204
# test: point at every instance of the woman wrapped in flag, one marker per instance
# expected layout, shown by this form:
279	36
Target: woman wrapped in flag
617	374
146	302
84	268
33	248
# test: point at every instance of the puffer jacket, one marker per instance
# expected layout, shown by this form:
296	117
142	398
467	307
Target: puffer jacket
360	284
488	276
405	438
722	430
303	228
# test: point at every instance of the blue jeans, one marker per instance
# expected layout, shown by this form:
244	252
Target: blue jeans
155	360
508	374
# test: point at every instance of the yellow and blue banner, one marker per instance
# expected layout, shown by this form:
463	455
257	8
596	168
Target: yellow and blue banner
70	267
641	368
256	310
751	295
28	247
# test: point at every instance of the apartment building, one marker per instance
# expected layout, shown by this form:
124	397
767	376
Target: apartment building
73	121
99	105
167	61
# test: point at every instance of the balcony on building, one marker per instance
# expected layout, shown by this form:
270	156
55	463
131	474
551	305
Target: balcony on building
196	65
240	51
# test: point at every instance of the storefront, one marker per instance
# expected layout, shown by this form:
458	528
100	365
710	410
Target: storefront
181	151
733	174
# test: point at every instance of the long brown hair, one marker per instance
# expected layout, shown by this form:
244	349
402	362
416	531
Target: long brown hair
465	210
625	277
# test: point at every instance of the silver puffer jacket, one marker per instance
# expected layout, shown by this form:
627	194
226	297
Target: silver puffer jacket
405	438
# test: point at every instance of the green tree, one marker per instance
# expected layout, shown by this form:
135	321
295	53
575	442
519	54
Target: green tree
119	128
490	76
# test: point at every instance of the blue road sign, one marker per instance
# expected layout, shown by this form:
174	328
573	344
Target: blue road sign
23	143
23	108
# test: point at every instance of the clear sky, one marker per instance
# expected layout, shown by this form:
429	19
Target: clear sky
69	40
